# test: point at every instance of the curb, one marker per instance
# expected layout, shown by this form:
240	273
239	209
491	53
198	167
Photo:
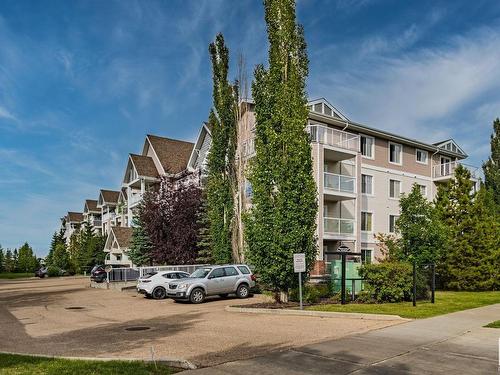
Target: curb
172	362
320	314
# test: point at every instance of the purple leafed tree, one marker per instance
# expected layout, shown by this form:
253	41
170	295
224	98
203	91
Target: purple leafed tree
170	216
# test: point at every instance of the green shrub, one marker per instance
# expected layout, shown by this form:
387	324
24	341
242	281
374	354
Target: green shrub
310	293
392	282
53	271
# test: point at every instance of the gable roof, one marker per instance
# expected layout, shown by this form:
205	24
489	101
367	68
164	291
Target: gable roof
144	166
75	217
324	107
172	154
123	235
450	145
108	196
201	146
90	206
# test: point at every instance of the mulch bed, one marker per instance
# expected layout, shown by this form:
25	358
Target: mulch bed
272	305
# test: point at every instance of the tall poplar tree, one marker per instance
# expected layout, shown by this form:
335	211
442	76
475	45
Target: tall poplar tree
221	181
281	221
491	167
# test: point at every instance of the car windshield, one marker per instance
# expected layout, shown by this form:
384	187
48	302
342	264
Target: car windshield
201	273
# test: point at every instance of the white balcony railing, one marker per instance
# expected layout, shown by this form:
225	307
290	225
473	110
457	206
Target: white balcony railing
340	183
448	169
339	226
108	216
334	137
134	199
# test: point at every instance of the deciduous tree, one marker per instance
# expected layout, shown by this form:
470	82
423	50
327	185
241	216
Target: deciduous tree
281	221
221	179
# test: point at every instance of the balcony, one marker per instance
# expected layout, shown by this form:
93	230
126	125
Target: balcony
446	171
134	199
108	216
341	145
338	187
339	228
97	223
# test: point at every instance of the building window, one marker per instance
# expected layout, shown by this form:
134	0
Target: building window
421	156
366	256
366	184
394	189
118	257
395	153
367	145
392	223
423	190
366	221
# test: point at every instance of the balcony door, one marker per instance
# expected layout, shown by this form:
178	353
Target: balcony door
445	166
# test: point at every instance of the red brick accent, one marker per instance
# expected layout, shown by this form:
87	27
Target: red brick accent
319	268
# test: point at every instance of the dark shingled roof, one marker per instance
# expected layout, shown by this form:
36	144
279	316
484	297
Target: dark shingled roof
172	153
75	217
110	196
123	236
144	165
91	205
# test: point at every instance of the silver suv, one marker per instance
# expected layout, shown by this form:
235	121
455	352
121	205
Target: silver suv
213	280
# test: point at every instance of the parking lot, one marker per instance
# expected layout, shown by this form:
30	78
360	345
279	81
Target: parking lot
63	316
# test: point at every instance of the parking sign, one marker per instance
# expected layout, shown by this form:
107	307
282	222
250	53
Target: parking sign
299	262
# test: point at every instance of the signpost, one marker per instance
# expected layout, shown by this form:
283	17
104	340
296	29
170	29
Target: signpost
108	269
299	266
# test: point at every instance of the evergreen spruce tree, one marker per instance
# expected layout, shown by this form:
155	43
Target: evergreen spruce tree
491	167
9	264
284	207
468	257
2	260
15	260
221	179
140	246
61	257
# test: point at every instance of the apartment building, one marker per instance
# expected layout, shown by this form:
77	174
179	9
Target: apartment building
360	174
71	223
92	215
161	157
107	203
117	246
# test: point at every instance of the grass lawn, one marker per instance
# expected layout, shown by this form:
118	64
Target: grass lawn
495	324
26	365
446	302
15	275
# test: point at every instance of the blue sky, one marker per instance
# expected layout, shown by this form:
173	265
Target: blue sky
81	83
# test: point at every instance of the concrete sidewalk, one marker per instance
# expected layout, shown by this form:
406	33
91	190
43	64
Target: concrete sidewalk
455	343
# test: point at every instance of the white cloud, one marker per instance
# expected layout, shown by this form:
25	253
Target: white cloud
6	114
427	94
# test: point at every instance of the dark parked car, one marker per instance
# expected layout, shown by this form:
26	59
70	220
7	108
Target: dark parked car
41	272
98	274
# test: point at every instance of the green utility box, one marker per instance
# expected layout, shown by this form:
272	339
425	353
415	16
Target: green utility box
351	273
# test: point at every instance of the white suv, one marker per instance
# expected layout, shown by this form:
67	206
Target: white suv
155	284
213	280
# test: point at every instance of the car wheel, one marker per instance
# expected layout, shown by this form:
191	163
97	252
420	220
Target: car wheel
223	295
197	296
159	293
243	291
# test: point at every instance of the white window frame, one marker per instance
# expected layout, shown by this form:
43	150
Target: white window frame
373	185
361	221
400	154
389	228
372	253
417	150
400	188
361	147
